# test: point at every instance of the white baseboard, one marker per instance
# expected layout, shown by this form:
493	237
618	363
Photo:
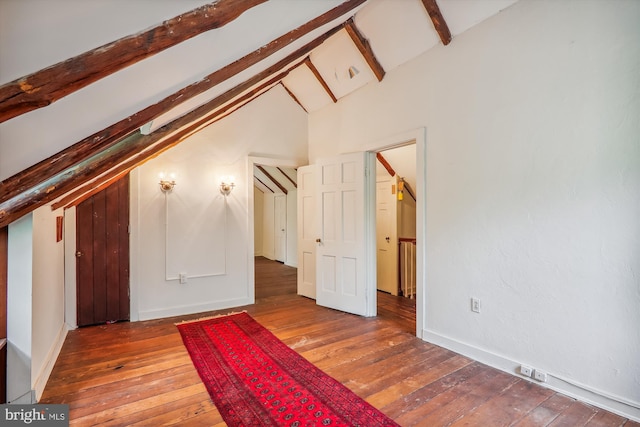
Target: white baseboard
191	309
572	389
43	376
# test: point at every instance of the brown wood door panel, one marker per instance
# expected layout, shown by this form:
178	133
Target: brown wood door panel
103	255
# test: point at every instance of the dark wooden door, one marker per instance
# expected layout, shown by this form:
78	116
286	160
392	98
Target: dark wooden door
102	255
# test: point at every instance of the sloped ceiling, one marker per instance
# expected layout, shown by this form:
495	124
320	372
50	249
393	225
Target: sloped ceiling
397	31
276	180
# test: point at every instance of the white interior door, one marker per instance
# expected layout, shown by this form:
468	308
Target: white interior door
280	227
386	235
345	253
307	231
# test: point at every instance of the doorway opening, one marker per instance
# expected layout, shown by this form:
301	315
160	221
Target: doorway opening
396	232
417	139
273	211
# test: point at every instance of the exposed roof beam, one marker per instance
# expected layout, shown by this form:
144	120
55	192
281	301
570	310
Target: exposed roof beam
48	85
320	79
295	98
80	151
83	193
263	184
386	164
112	175
365	49
288	177
438	20
272	179
127	148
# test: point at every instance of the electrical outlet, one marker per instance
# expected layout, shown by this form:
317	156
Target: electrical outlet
526	370
475	305
540	375
183	278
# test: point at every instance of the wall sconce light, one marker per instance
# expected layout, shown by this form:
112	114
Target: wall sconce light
353	71
165	184
227	185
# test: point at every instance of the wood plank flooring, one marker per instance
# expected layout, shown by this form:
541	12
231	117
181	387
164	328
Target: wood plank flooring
139	374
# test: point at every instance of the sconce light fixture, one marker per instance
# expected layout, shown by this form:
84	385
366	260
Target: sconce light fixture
165	184
227	185
401	189
353	71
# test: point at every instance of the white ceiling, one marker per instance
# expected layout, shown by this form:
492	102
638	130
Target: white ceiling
403	161
398	30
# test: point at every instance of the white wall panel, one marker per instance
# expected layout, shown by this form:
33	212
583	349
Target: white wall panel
533	187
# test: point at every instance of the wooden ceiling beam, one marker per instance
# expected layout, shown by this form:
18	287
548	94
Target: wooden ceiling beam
438	20
408	188
48	85
272	179
82	150
365	49
288	177
386	164
128	150
112	175
263	184
83	193
295	98
320	79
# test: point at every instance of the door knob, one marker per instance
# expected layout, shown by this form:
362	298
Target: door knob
318	240
78	254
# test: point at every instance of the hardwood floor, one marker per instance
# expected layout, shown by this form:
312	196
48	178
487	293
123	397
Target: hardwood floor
139	374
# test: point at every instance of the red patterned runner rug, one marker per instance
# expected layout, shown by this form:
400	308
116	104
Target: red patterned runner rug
255	379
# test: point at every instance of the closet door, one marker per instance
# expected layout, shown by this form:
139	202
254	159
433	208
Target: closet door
387	235
102	255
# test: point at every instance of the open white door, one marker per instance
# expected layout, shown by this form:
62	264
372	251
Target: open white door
307	234
345	252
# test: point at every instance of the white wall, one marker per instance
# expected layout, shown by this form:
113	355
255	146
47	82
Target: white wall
533	188
19	310
271	124
48	328
258	211
35	315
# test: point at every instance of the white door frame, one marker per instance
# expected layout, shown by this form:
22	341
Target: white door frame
419	136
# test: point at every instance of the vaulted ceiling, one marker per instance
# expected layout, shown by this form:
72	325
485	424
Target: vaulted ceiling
90	90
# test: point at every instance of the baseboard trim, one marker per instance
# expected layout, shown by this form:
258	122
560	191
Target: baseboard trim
593	397
43	376
192	309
